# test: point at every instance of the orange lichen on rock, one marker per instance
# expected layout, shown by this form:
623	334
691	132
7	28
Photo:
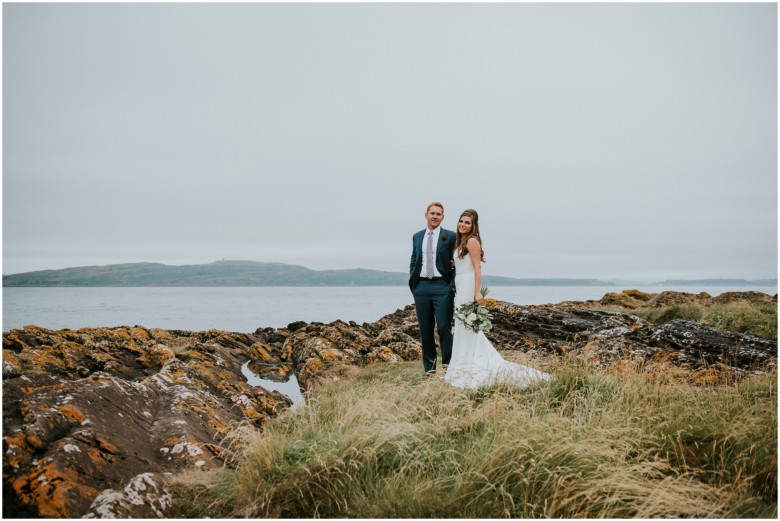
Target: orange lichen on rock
259	351
383	354
630	299
156	356
53	491
311	367
72	414
709	376
330	355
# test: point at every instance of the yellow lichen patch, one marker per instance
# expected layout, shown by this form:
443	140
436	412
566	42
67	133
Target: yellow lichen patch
114	334
34	441
54	491
331	355
71	413
101	454
102	356
528	341
216	422
99	457
176	374
312	367
44	359
106	446
18	452
639	295
260	351
707	377
252	414
46	387
489	303
17	441
283	371
240	395
383	354
140	334
210	372
16	460
156	356
161	334
171	441
11	359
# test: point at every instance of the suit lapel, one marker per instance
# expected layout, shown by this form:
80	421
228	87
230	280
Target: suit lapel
441	250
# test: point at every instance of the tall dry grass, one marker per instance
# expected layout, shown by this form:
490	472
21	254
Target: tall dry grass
384	443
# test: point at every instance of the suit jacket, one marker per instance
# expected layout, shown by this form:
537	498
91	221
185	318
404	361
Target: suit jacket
444	250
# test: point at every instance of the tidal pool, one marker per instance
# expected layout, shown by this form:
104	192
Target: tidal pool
288	387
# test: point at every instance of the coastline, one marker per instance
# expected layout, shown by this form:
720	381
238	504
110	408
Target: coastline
160	400
247	308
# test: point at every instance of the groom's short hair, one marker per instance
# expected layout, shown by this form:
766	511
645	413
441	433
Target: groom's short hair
435	204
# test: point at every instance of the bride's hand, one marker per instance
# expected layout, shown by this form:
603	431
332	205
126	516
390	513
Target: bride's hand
478	297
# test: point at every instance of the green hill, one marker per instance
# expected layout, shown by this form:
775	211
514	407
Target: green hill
240	273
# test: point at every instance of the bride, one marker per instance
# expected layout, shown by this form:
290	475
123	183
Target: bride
474	360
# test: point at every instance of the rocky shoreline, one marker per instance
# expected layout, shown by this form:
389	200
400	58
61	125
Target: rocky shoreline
96	420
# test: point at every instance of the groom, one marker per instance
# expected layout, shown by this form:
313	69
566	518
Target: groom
432	281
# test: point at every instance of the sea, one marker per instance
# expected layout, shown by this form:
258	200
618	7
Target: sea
245	309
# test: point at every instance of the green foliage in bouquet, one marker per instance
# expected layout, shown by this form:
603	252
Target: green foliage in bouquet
474	316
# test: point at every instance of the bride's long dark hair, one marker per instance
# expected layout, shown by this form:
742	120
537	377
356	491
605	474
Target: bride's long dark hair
461	240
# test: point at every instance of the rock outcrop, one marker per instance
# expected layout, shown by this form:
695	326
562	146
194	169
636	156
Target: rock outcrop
95	421
635	299
608	338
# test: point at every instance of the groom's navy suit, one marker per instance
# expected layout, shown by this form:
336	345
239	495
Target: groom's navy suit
433	298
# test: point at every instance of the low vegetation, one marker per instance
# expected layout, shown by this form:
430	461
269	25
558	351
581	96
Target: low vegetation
383	443
740	316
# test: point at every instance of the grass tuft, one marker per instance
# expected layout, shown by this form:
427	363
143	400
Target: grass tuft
384	444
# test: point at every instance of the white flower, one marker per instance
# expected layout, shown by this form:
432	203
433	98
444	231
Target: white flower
475	317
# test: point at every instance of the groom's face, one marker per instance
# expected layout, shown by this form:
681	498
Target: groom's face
434	216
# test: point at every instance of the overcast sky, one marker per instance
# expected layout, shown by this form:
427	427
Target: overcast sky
595	140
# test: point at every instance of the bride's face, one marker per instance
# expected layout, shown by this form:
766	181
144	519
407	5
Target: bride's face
464	224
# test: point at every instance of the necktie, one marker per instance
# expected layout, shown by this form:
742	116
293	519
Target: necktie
429	257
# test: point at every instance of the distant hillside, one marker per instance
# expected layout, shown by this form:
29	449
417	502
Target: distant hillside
717	282
239	273
221	273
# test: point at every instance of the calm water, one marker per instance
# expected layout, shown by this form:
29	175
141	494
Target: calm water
245	309
289	387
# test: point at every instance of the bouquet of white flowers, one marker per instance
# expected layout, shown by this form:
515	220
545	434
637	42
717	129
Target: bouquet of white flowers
475	317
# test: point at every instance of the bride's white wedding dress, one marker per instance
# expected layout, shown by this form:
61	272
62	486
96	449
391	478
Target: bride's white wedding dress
475	362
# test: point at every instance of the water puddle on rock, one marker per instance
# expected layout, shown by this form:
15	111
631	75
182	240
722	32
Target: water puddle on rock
287	387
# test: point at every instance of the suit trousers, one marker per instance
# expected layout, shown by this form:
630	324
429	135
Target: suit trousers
434	302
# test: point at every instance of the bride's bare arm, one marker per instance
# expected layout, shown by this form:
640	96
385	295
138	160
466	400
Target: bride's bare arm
475	254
